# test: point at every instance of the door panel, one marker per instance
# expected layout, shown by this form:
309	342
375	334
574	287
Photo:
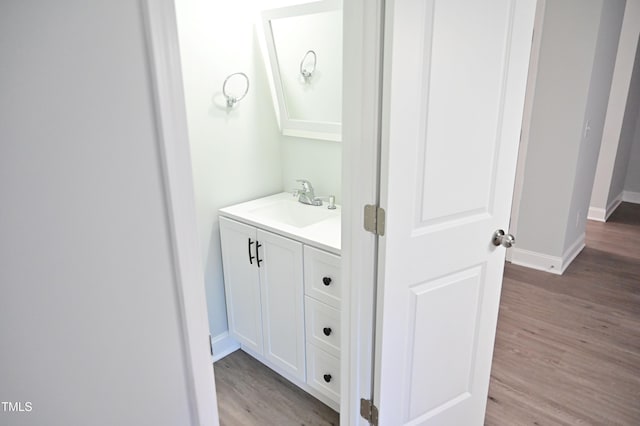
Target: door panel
443	313
461	75
282	295
242	283
454	83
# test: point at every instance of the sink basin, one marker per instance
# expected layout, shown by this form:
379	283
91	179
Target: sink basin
293	213
282	214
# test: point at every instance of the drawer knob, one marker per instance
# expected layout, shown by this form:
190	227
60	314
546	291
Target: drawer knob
326	280
326	331
327	378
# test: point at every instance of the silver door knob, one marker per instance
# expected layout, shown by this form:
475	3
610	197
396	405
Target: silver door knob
502	239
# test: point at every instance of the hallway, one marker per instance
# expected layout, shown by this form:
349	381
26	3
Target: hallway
568	347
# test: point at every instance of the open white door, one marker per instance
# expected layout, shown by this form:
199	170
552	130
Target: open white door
455	75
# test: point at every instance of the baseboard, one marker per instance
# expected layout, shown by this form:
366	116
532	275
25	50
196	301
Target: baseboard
223	345
597	214
535	260
572	252
544	262
631	197
613	205
601	215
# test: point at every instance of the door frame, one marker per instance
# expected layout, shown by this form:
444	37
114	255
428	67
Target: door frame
360	173
362	93
163	56
526	119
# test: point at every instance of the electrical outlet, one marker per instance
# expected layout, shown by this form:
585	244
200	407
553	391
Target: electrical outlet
587	128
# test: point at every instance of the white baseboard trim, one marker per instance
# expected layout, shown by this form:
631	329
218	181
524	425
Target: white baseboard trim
572	252
598	214
534	260
544	262
601	215
631	197
223	345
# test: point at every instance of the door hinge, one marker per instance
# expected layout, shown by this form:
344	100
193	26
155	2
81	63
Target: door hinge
369	411
374	220
210	345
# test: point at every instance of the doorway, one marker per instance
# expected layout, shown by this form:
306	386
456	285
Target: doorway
360	163
239	153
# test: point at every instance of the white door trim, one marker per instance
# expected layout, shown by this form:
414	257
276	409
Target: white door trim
361	103
526	119
360	176
164	68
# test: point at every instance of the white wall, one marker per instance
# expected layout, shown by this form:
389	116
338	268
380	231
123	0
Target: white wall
237	154
612	161
594	120
89	328
627	133
316	160
556	124
575	67
632	179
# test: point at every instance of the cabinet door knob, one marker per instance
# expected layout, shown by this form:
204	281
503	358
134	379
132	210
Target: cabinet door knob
326	331
326	280
327	378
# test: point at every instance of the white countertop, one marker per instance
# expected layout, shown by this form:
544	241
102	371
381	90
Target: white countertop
324	233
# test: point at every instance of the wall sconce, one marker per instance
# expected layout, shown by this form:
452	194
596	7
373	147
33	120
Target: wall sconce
232	100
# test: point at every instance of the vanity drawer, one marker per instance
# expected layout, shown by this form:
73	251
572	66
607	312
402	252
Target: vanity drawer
322	325
323	372
322	276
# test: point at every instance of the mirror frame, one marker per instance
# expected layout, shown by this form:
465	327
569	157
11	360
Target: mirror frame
331	131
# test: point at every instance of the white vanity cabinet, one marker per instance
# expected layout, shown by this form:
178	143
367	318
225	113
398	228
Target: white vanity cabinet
281	262
263	274
322	314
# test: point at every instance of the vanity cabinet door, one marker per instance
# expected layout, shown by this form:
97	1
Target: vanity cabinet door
282	294
241	283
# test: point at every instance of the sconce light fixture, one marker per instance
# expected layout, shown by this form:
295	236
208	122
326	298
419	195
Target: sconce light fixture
232	100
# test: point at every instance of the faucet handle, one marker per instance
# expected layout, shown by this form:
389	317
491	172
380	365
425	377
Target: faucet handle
306	185
332	202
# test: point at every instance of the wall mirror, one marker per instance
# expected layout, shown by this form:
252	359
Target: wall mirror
304	58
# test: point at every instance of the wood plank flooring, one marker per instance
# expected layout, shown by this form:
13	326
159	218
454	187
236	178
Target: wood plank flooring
251	394
568	347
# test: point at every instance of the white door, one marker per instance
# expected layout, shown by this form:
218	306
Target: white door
282	293
241	283
454	82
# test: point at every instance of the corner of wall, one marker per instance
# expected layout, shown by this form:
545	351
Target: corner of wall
222	345
543	262
601	215
631	197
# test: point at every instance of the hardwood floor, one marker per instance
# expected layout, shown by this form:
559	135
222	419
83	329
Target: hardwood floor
251	394
568	347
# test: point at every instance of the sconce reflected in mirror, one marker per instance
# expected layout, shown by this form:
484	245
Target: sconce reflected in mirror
307	93
308	65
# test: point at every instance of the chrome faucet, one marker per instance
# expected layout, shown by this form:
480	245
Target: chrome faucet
306	195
